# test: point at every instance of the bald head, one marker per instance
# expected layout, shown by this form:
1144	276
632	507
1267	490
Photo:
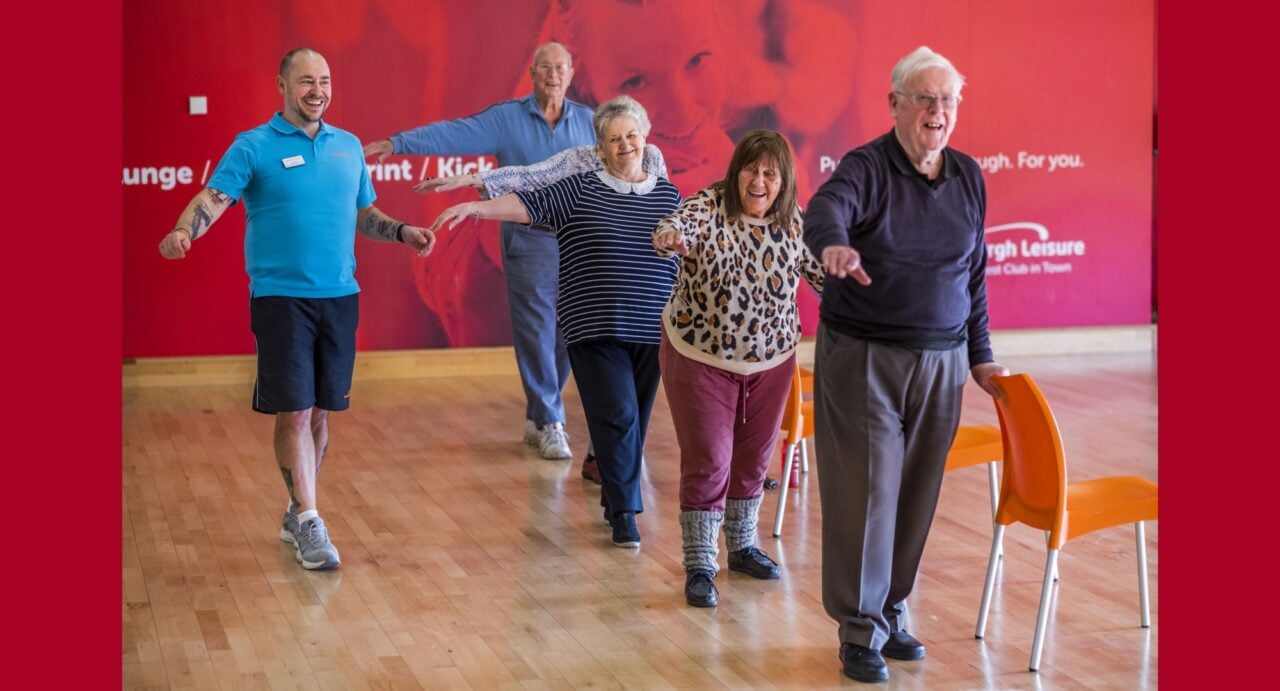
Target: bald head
286	63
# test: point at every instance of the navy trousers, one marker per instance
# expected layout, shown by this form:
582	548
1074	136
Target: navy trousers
617	382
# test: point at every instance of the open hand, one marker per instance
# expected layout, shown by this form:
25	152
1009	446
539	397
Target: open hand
381	148
447	183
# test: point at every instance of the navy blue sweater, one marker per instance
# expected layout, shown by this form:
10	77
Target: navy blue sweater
921	242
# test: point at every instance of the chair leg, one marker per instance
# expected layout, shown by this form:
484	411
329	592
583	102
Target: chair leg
993	483
1042	618
804	455
1144	598
788	457
989	585
1048	536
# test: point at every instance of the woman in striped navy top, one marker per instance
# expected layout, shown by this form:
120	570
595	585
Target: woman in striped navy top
613	288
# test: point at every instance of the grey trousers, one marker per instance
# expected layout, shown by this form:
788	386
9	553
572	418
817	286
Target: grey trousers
884	419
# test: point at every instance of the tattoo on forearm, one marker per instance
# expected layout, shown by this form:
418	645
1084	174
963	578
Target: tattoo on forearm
288	482
382	227
202	215
201	218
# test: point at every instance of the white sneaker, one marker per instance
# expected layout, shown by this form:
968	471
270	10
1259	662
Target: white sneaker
532	436
555	442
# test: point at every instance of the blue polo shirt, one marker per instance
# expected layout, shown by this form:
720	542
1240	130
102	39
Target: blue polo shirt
301	196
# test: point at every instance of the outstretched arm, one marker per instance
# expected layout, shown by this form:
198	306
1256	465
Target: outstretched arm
376	225
204	209
381	148
506	179
505	208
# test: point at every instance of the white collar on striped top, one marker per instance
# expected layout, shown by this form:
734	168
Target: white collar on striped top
623	187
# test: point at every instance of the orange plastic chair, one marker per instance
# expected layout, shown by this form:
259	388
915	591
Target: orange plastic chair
797	424
1035	492
974	444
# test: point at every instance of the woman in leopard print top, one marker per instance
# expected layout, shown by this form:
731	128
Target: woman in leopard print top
730	331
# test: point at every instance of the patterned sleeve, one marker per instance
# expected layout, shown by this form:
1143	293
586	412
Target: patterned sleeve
507	179
810	267
692	219
654	162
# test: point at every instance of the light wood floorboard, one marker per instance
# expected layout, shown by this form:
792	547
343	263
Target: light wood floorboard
469	562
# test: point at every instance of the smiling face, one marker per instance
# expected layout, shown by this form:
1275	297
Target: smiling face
925	129
307	90
551	73
671	69
622	147
758	186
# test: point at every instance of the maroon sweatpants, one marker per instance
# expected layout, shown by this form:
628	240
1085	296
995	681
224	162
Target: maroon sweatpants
726	424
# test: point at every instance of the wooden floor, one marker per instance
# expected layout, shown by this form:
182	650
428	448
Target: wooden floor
468	562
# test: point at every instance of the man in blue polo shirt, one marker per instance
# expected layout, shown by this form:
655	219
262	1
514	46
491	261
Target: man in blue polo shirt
519	132
306	191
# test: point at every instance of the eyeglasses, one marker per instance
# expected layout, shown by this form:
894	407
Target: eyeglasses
927	100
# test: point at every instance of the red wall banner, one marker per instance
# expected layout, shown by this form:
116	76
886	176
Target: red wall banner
1058	110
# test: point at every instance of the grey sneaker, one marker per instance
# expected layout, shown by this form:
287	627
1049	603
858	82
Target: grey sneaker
313	549
289	523
532	435
554	444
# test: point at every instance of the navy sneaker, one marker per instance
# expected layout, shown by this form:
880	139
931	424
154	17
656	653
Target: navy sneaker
625	532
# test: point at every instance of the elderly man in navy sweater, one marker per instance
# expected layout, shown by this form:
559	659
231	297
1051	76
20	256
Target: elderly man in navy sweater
899	228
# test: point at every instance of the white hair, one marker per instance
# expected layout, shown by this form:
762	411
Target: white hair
920	60
616	107
537	54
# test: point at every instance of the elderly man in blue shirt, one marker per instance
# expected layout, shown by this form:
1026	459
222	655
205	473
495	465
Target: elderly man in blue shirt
519	132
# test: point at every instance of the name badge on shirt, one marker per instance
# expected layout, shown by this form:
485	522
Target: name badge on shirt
293	161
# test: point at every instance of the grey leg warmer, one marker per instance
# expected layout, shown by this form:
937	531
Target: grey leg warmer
740	519
701	530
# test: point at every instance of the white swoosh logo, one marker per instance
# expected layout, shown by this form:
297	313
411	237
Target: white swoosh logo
1024	225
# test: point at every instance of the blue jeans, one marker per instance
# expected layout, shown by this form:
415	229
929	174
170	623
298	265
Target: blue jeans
531	262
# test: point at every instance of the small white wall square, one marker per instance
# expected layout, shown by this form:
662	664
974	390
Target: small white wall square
198	105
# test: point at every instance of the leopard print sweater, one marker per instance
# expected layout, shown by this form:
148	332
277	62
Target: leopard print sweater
734	302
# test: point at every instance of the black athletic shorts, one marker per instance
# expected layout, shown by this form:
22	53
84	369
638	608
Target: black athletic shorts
306	352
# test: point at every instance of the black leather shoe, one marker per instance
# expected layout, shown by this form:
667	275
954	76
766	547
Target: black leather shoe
590	471
700	589
625	532
863	664
754	563
903	646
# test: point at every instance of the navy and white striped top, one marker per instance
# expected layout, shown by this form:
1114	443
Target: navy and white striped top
612	282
